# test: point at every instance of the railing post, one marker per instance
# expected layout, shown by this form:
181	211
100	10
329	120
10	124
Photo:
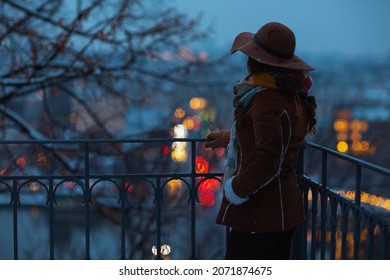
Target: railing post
158	198
344	230
193	199
333	226
123	200
356	216
369	240
324	202
87	199
358	187
50	201
314	212
324	206
356	234
386	252
15	203
324	175
384	247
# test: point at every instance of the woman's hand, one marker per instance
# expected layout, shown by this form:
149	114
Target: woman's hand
218	139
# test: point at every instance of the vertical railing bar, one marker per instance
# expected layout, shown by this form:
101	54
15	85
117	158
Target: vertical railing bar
122	194
358	186
87	197
324	201
51	218
193	199
344	231
382	241
324	173
369	241
158	197
386	255
314	212
333	226
324	183
15	202
305	225
356	213
356	233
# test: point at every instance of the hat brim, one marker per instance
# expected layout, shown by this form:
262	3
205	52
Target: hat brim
244	43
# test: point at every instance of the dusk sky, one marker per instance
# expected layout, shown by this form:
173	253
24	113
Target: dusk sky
346	27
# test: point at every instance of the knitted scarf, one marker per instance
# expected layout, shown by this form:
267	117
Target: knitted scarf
283	80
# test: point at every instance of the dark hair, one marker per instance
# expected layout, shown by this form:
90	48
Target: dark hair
311	106
254	66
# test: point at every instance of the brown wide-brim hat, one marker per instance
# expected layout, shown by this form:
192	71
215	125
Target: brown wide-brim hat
273	44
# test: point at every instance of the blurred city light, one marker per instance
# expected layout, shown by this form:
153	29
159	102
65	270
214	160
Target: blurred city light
34	187
368	198
180	113
179	131
342	147
164	150
21	161
202	166
350	134
198	103
173	186
179	149
340	125
189	123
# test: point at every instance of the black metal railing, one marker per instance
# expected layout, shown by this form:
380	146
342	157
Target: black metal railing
336	210
335	224
87	182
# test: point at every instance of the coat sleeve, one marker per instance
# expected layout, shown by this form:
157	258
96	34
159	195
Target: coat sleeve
266	113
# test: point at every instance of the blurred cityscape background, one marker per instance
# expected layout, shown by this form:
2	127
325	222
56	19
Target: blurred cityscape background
134	69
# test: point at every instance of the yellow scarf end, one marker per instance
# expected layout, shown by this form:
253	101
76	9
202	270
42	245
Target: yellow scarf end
262	79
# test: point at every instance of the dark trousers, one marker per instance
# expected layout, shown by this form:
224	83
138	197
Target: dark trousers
259	246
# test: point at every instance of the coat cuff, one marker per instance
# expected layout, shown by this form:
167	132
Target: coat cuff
230	195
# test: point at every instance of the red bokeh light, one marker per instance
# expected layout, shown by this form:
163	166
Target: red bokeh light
164	150
206	192
129	188
205	186
21	161
202	165
206	198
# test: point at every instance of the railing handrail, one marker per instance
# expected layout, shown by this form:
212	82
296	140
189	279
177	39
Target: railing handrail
349	158
104	140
